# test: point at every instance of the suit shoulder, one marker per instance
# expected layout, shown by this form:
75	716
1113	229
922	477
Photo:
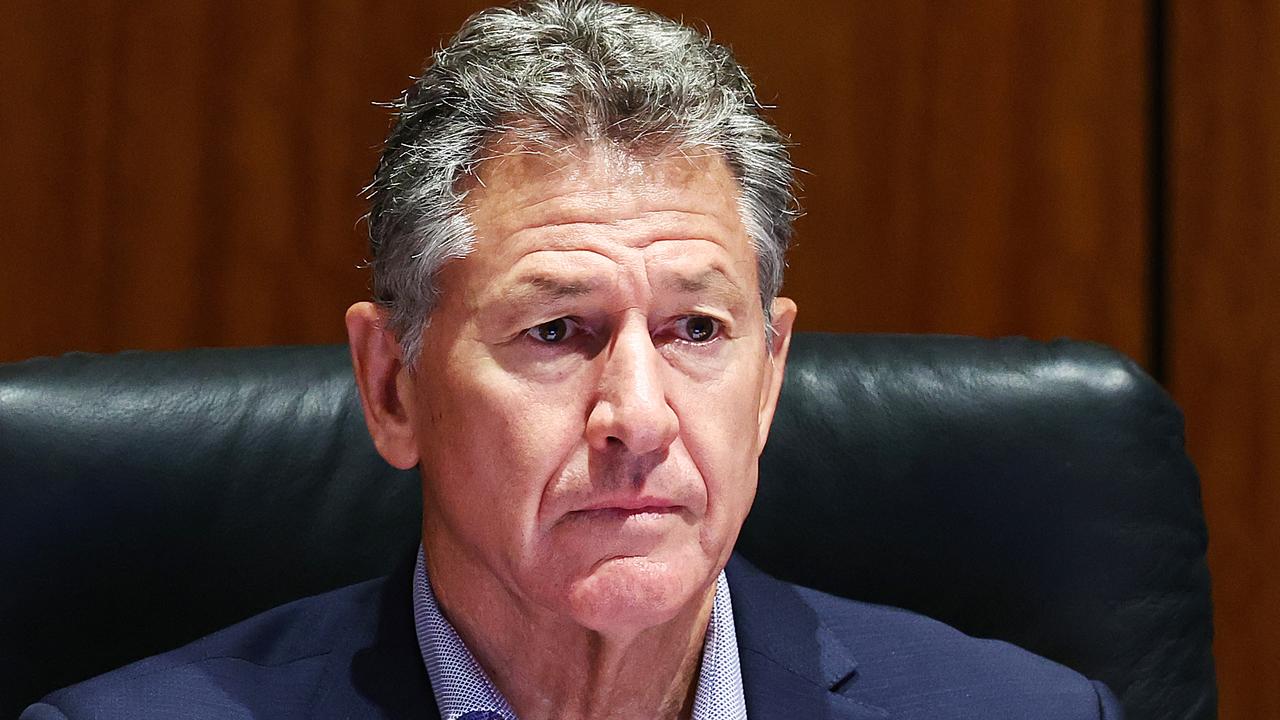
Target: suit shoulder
910	665
921	667
272	660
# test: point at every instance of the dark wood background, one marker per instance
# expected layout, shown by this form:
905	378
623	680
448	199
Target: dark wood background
188	173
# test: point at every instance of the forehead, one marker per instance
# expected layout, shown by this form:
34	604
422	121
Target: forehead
574	198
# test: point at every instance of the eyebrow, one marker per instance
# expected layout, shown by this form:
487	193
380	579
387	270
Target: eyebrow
713	280
543	288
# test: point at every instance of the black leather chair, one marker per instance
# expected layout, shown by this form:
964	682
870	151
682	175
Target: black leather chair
1034	492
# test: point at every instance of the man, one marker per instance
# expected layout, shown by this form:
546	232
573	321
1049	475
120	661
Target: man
578	231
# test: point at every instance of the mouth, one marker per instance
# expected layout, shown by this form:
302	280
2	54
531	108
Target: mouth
631	508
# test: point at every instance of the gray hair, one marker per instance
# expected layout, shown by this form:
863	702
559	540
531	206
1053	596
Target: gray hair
555	73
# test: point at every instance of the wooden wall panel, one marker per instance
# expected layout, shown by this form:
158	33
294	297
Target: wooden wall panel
972	167
187	173
51	212
181	174
1225	320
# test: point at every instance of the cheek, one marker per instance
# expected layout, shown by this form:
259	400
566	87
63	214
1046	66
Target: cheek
718	422
501	438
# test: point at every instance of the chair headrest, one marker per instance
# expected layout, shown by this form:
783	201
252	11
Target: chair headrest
1039	493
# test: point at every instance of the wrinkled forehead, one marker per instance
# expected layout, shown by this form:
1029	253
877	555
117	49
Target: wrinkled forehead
519	184
575	216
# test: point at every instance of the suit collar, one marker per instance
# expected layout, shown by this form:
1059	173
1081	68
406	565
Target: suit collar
793	665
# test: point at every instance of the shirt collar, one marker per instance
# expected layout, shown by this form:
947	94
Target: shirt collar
461	686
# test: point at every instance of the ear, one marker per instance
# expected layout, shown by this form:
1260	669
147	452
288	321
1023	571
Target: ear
376	357
784	317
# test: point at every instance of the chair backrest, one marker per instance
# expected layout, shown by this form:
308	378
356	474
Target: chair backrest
1038	493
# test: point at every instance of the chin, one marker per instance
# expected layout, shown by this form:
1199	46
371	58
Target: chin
627	595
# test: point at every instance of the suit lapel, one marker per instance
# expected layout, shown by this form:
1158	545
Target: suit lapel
377	670
792	664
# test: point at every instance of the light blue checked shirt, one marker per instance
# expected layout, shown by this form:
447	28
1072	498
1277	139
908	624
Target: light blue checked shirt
464	692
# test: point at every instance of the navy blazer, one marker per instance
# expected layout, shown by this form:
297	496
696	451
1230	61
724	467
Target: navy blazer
353	653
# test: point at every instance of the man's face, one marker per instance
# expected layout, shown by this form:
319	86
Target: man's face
595	388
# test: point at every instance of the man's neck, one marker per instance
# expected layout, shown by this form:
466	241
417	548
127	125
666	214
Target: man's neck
550	669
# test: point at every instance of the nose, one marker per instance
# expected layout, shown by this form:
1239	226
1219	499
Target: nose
631	408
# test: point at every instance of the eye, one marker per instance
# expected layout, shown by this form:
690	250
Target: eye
553	331
697	328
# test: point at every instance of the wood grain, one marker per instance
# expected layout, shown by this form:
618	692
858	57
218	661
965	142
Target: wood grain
184	174
188	173
1225	321
972	167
